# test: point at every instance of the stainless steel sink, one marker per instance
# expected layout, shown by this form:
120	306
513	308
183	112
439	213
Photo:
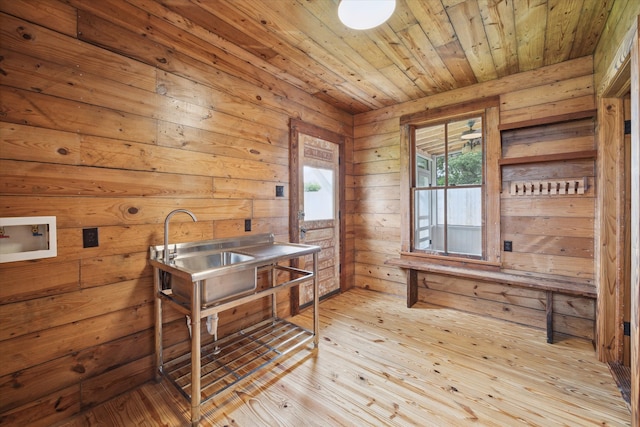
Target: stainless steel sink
227	268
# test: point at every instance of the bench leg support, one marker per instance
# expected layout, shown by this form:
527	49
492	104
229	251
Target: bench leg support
412	287
550	317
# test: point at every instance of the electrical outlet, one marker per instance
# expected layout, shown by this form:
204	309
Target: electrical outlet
247	225
279	190
508	246
89	237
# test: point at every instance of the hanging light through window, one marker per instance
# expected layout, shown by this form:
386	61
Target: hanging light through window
365	14
471	133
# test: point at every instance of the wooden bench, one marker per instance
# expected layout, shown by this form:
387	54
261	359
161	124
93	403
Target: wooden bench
546	284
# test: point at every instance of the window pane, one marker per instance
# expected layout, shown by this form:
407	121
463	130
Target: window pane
464	221
318	194
465	168
440	175
424	170
465	152
429	220
429	148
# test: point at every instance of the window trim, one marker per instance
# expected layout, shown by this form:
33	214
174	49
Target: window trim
489	109
446	187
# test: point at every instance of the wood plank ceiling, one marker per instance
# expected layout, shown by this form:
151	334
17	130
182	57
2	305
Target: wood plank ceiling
426	47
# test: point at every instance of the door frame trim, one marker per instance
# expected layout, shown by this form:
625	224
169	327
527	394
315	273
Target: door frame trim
297	127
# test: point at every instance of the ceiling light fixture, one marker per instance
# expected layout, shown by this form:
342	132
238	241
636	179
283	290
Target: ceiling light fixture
365	14
471	133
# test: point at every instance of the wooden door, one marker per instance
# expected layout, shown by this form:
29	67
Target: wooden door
316	190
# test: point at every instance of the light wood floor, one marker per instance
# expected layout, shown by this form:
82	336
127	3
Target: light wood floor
380	364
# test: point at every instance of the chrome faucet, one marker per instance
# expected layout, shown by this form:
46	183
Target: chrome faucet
167	258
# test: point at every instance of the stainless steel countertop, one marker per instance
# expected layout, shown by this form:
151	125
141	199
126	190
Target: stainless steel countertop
262	248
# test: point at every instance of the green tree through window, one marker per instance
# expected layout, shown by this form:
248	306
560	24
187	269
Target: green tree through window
465	168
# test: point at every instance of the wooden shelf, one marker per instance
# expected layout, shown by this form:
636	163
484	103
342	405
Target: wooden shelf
576	155
548	120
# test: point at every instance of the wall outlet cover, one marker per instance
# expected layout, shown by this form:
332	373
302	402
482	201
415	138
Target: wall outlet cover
89	237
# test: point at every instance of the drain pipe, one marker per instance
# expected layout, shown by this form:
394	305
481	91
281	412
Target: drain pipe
212	328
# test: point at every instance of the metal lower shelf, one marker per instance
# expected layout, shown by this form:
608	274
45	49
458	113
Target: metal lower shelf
237	356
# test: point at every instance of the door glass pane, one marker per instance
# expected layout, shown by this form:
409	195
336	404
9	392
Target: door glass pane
319	194
464	221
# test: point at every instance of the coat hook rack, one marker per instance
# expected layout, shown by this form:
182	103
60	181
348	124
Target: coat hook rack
548	187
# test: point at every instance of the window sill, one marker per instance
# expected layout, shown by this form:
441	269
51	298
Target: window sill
424	258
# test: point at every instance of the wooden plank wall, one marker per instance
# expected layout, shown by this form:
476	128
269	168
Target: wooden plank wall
552	235
111	118
551	91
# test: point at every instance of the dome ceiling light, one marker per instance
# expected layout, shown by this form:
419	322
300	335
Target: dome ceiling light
365	14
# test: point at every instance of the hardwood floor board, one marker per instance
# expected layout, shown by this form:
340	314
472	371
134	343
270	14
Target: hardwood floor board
487	346
395	384
378	391
536	371
472	382
292	398
382	364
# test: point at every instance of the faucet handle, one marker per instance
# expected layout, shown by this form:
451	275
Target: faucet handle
171	254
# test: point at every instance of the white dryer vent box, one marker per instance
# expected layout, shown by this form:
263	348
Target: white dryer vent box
29	237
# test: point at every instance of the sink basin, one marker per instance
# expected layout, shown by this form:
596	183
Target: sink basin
232	281
198	263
